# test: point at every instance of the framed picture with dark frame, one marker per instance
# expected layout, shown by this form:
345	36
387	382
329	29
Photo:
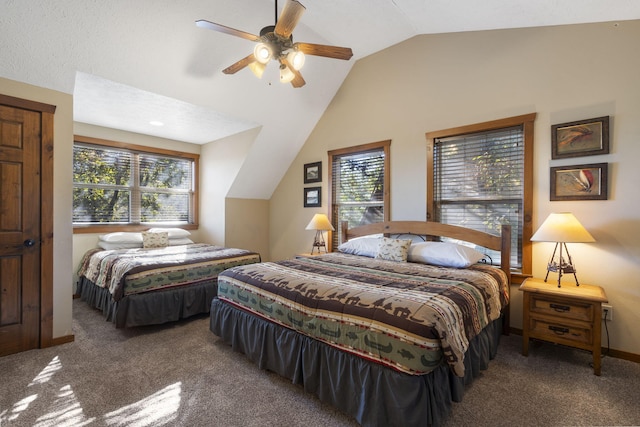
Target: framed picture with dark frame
312	197
579	182
581	138
312	172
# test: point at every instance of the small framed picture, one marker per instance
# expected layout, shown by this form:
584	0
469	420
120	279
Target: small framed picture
579	182
312	197
312	172
581	138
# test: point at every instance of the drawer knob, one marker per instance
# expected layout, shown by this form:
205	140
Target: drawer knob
560	308
559	330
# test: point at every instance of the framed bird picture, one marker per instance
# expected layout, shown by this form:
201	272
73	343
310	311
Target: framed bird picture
579	182
581	138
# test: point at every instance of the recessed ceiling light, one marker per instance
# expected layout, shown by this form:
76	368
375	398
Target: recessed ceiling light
156	123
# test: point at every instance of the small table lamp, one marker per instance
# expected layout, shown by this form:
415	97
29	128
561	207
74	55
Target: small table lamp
320	223
562	228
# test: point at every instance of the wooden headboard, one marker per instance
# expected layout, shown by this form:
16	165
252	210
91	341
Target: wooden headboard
428	229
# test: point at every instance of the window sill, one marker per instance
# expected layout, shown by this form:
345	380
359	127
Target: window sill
518	277
89	229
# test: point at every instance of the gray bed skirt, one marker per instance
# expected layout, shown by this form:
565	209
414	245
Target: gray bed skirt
150	308
373	394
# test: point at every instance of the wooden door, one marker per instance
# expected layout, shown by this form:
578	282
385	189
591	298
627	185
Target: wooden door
20	238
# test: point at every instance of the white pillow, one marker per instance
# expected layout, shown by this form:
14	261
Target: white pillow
363	246
182	241
116	245
122	237
174	233
444	254
393	249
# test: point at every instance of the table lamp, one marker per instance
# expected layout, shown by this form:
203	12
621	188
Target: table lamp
562	228
320	223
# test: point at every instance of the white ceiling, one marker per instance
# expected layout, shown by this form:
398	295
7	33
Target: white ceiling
129	62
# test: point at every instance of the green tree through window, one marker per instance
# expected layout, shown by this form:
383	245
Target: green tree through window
102	185
480	177
359	185
118	185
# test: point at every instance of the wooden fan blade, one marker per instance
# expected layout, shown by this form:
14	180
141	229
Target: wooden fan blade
324	50
234	68
289	18
297	81
227	30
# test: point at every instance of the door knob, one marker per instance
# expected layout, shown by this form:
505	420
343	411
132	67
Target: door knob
29	242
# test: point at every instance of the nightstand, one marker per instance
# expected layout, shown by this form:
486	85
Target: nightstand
570	315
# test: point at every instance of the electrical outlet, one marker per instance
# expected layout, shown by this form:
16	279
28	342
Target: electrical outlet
607	312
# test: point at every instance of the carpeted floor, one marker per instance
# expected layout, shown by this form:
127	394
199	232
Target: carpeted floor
182	375
554	386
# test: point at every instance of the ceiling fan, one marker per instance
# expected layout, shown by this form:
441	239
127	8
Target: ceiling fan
276	42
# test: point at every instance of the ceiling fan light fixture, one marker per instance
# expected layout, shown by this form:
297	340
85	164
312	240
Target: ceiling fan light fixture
286	75
276	42
257	68
262	52
296	59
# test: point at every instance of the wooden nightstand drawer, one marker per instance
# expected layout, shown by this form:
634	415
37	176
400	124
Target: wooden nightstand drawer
560	333
567	315
561	308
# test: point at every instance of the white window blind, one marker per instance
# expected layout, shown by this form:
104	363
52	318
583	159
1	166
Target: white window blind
357	188
120	186
479	182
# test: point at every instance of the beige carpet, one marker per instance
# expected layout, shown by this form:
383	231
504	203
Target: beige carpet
181	375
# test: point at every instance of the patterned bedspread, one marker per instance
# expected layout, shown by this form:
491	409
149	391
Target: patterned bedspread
404	315
131	271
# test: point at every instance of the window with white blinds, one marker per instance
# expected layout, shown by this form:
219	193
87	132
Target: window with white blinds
127	186
359	186
479	179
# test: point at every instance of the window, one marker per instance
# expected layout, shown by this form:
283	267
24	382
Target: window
117	184
359	185
481	177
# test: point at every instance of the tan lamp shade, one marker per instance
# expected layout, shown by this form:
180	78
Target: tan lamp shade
320	222
562	227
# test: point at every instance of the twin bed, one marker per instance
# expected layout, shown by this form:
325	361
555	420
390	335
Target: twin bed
389	329
148	286
388	342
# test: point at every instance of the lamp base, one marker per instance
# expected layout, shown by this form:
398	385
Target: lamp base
561	266
318	243
318	249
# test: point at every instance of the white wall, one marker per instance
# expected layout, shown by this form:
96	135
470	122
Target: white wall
220	162
435	82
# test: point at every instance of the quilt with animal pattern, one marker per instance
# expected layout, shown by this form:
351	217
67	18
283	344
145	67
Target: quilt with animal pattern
408	316
132	271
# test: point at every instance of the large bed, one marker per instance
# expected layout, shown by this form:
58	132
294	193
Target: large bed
387	341
148	286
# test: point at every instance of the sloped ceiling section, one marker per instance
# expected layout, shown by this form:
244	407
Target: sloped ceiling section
128	63
99	101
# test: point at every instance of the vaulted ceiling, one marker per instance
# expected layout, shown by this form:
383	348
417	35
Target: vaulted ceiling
128	63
